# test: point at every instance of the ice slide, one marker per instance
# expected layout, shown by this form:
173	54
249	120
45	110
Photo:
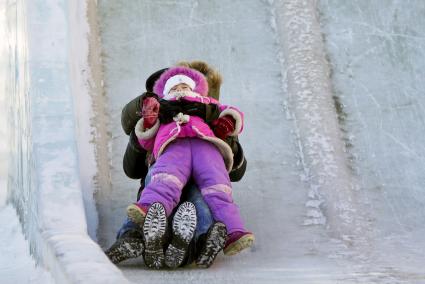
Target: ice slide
326	191
332	96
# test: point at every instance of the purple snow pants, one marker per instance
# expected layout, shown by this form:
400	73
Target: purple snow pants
186	157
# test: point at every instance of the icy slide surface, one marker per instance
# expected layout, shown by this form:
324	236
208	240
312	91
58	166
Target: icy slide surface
376	58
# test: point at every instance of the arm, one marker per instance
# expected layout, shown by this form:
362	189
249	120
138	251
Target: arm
236	115
131	113
227	127
168	109
146	136
239	160
210	113
229	123
147	127
134	161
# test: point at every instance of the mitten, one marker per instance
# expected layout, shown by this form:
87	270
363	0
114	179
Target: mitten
150	110
223	126
132	112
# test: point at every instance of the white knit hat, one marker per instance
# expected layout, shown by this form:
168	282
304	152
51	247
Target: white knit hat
178	79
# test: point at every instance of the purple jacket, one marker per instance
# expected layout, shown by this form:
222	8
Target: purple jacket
157	137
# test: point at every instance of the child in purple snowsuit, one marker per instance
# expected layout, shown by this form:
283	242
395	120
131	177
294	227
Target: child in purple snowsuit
188	147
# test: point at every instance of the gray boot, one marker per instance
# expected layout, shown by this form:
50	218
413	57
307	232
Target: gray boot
129	245
154	233
184	224
213	243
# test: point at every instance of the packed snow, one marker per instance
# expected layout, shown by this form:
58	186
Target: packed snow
16	263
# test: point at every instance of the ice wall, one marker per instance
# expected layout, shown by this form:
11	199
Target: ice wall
44	180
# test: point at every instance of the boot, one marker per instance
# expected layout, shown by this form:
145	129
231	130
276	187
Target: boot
184	224
129	245
136	214
238	241
154	233
212	245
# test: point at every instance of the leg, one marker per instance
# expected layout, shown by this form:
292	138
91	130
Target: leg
211	176
182	250
213	180
183	229
129	241
211	244
168	176
209	236
154	235
203	213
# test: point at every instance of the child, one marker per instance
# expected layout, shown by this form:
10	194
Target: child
187	147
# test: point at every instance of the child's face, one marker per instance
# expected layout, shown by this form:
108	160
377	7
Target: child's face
182	87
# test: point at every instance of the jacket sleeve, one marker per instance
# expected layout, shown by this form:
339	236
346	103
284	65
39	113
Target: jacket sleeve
134	161
237	115
146	137
239	160
130	114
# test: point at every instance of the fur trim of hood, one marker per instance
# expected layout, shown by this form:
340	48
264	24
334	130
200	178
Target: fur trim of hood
201	84
213	76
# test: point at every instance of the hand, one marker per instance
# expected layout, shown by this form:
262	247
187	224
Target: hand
223	126
150	110
144	96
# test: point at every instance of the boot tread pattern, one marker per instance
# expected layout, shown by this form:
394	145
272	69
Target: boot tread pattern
154	229
184	225
184	221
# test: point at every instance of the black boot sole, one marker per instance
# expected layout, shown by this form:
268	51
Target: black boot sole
154	229
184	224
214	243
124	249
